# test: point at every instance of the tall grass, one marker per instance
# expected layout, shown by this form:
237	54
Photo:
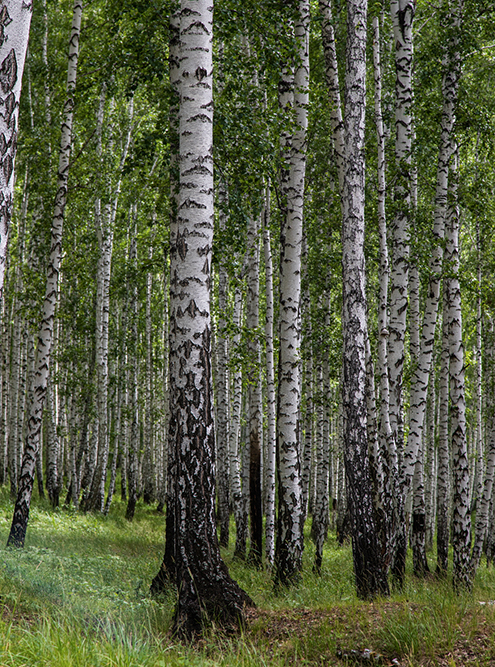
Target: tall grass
77	594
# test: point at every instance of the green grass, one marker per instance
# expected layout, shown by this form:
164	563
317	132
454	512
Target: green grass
77	594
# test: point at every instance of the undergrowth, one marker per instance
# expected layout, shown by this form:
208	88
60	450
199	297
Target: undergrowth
77	595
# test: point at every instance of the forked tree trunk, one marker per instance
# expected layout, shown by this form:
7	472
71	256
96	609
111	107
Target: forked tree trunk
45	336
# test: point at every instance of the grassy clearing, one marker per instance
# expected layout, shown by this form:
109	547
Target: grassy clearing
77	594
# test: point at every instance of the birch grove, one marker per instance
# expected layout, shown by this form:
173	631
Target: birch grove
292	297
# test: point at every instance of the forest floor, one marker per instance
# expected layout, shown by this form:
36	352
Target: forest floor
77	595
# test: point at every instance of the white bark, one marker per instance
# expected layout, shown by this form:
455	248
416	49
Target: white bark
149	480
222	393
461	523
15	21
430	469
402	12
479	446
332	80
369	572
422	371
289	535
483	506
45	336
133	470
105	223
254	389
204	586
319	528
234	436
53	448
270	391
307	445
387	442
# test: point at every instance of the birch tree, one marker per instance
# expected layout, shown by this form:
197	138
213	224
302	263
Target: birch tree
45	335
368	570
402	12
270	390
205	588
422	371
254	391
289	545
15	22
461	520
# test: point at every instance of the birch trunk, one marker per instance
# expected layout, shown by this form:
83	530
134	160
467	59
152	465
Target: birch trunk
105	223
149	481
319	527
15	22
289	546
53	449
270	391
206	591
254	394
162	451
422	372
133	470
45	336
479	485
240	513
222	394
443	480
307	445
13	403
483	505
419	516
461	523
402	12
333	85
167	572
369	573
387	442
430	469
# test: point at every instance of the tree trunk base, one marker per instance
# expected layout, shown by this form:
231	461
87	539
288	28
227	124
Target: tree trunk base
203	604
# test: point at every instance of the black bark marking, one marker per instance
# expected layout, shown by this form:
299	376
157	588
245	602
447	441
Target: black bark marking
10	105
7	168
182	247
4	21
8	72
